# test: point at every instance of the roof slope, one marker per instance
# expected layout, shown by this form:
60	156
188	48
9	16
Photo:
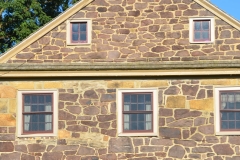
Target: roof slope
78	6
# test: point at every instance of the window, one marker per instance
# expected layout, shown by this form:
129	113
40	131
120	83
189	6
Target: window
37	113
227	111
201	30
78	32
137	112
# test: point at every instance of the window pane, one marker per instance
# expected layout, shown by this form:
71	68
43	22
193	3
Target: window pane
141	107
41	107
41	99
141	126
224	116
237	115
237	105
126	126
197	35
134	107
141	117
34	98
205	25
83	37
75	37
205	35
41	126
41	118
197	25
75	27
237	124
134	98
232	125
127	97
26	99
34	108
148	98
231	116
230	105
83	26
141	98
133	126
134	117
48	99
224	125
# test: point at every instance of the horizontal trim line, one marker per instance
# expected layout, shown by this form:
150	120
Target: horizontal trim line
119	66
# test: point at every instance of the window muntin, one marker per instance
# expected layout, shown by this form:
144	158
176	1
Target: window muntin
79	32
202	30
140	111
37	113
42	107
137	112
229	110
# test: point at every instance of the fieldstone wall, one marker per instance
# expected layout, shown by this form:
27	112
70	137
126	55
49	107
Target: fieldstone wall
133	31
87	122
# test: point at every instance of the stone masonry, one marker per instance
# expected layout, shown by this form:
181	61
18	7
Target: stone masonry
87	122
136	31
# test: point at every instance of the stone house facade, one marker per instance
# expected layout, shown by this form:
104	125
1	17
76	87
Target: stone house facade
76	74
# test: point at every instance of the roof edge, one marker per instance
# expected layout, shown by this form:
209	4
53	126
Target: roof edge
219	13
43	30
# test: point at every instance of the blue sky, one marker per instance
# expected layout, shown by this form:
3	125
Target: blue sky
229	6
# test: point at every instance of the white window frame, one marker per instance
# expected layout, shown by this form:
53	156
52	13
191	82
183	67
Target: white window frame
89	31
191	29
155	112
20	117
217	108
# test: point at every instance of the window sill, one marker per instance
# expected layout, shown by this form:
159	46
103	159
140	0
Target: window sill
201	42
38	135
228	133
138	134
78	44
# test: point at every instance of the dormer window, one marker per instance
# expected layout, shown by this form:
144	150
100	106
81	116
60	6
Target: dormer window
201	30
79	32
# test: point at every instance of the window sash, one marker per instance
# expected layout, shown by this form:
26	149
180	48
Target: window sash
136	108
37	113
201	31
229	110
82	35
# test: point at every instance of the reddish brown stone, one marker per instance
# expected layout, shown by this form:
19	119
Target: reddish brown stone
181	123
52	155
25	56
207	129
116	8
61	148
165	112
172	90
151	148
89	123
201	94
73	157
168	132
164	142
74	109
10	156
7	137
190	90
199	121
104	118
77	128
85	151
68	97
91	110
108	97
6	147
109	132
197	137
27	157
21	148
121	144
134	13
201	149
36	147
65	115
176	152
183	113
104	125
223	149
